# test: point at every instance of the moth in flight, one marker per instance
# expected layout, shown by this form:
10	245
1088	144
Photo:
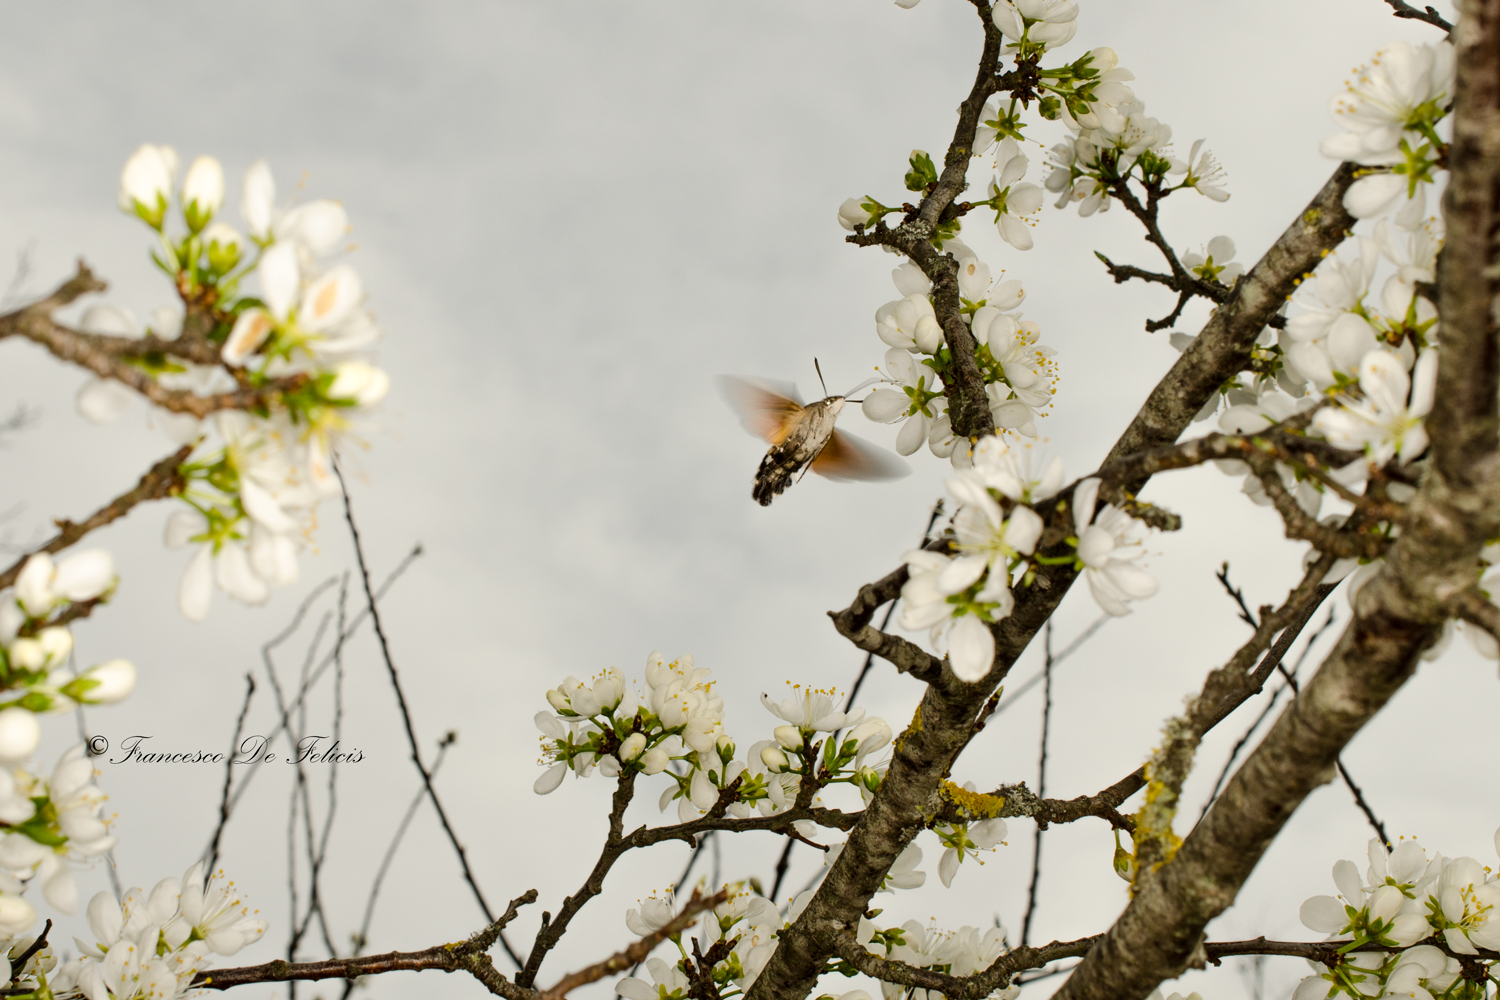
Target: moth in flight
802	437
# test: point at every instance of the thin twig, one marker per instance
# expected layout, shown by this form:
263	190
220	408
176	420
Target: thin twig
411	733
1364	807
1431	16
1237	594
1036	678
466	956
363	937
1041	784
160	481
358	620
234	745
1290	683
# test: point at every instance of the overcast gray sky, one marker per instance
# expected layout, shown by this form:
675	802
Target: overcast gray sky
569	217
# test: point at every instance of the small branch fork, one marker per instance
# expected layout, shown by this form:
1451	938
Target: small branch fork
1430	15
114	357
1186	284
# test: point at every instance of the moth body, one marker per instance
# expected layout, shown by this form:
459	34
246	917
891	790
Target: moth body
802	438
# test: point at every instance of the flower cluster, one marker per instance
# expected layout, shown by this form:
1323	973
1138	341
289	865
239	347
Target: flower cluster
994	536
257	475
957	953
36	646
1104	152
152	945
1019	372
1404	901
677	728
48	825
1390	112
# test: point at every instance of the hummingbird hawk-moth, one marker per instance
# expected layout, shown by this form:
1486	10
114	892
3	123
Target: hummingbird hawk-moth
802	437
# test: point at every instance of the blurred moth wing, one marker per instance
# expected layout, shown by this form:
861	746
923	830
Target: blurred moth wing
767	408
802	437
846	458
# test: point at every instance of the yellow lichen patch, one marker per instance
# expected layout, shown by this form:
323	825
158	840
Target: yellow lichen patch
976	805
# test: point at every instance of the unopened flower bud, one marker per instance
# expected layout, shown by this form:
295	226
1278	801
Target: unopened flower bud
27	654
632	746
84	575
774	760
106	683
788	736
19	735
57	643
359	382
202	192
852	213
34	585
654	761
146	183
223	242
258	200
559	701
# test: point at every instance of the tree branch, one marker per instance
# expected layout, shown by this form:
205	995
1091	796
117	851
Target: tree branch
944	721
160	481
110	357
467	956
638	950
1401	8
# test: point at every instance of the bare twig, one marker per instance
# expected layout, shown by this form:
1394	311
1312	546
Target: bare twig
1041	783
359	619
234	749
467	956
411	733
1364	806
160	481
1430	15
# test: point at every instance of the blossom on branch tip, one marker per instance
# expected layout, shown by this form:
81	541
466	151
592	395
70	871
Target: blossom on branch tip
1202	173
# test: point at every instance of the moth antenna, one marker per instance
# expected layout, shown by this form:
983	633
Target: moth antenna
820	377
863	385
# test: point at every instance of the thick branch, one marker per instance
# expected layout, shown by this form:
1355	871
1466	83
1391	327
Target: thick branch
1464	421
944	721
